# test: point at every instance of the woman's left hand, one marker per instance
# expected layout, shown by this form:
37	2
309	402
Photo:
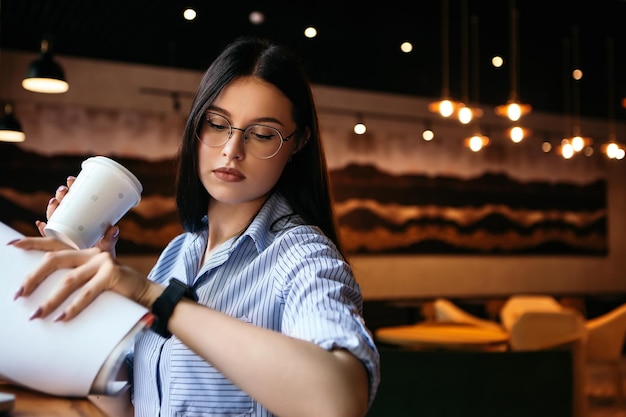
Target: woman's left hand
91	272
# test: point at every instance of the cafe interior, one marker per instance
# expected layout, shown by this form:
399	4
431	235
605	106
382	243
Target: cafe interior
476	154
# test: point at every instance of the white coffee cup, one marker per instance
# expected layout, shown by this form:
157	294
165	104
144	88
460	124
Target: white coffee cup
102	193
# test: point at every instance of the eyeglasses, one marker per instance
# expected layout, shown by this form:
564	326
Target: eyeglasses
261	141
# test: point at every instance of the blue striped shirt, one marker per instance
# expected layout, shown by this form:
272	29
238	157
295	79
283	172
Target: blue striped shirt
279	274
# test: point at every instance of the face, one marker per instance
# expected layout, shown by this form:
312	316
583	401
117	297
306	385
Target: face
229	173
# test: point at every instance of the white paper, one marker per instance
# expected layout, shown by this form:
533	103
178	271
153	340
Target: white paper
60	358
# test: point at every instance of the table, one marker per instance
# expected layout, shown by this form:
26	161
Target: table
30	403
439	335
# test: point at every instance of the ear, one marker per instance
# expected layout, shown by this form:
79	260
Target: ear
302	142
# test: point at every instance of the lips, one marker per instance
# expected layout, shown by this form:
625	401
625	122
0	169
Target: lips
229	174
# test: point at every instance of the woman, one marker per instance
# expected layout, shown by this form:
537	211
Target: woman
277	327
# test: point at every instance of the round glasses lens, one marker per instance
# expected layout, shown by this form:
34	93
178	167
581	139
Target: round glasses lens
217	130
263	141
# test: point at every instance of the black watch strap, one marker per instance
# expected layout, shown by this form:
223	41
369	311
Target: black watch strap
165	303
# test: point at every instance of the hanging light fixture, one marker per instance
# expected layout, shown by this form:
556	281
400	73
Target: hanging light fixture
45	75
517	134
478	140
513	109
577	142
612	149
465	112
428	133
359	127
10	127
445	106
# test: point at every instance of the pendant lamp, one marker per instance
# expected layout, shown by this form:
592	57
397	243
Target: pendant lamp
10	127
445	106
513	109
45	75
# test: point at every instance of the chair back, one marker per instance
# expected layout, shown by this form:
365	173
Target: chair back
605	335
539	330
448	312
517	305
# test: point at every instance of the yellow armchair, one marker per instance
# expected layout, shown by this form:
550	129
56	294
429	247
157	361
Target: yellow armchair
448	312
605	342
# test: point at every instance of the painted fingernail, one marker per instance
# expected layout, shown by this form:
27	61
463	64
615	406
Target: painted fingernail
62	188
60	317
36	314
12	242
51	200
18	293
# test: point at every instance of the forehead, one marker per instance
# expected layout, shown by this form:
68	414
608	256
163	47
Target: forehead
250	98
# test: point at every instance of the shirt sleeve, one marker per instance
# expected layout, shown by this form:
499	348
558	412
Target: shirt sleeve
323	301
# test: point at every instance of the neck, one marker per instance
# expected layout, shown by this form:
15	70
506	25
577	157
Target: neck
228	220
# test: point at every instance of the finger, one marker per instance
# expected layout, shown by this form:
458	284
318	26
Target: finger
40	226
53	261
61	292
61	192
93	278
109	240
47	244
53	203
70	180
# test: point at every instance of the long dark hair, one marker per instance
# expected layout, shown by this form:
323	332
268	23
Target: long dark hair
304	181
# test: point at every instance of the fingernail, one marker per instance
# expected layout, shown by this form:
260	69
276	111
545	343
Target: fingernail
71	177
12	242
60	317
51	200
117	232
36	314
18	293
62	188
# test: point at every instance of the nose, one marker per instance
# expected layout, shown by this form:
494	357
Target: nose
234	148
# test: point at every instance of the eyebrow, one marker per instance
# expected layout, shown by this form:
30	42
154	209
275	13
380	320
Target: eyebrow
227	114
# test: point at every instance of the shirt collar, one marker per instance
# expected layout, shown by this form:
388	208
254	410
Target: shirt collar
266	224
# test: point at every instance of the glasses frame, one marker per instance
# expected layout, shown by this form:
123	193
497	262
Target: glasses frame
232	128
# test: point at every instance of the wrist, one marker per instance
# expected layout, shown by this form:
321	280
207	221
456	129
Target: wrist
164	305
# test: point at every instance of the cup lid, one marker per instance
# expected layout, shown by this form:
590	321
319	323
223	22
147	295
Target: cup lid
108	161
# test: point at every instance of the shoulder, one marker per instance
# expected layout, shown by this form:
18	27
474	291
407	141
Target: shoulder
189	244
304	235
303	247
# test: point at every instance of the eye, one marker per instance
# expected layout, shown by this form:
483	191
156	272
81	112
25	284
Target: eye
262	133
216	122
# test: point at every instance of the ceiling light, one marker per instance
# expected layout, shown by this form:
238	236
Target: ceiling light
513	109
577	141
45	75
446	106
310	32
359	127
406	47
189	14
613	150
428	134
10	127
518	134
476	142
256	17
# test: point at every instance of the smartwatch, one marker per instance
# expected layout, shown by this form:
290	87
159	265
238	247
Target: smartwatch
164	305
